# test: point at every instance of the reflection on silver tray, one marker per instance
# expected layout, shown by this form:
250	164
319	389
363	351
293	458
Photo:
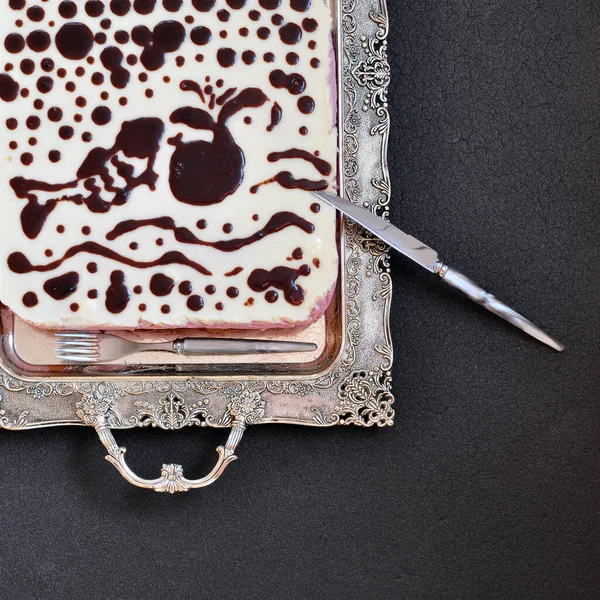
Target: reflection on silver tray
346	382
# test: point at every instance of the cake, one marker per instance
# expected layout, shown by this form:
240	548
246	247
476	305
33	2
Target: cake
158	159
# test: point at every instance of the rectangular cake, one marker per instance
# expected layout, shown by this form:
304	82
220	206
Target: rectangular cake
158	158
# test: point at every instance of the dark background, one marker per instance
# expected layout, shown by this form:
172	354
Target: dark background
488	486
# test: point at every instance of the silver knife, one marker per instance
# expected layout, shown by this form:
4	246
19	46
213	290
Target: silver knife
428	258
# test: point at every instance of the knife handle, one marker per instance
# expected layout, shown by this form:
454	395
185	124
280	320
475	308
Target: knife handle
197	346
468	287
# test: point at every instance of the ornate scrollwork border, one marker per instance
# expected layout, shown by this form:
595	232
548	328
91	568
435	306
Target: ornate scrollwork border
357	390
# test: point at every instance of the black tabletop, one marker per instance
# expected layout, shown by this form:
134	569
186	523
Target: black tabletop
488	486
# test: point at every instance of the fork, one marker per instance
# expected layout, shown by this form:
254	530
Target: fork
82	347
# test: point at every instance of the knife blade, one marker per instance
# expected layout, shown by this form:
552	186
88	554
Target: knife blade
428	258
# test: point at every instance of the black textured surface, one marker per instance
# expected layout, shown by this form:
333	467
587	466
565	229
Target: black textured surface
488	487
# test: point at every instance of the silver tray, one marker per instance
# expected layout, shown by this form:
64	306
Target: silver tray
346	382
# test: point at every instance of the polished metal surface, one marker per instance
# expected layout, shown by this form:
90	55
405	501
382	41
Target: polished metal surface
353	386
84	347
428	258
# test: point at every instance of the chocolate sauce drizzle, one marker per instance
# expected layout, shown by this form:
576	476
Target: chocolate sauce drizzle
276	114
286	180
117	293
139	138
19	263
63	286
282	278
321	165
276	223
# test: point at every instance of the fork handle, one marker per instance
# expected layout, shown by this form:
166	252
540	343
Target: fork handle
226	346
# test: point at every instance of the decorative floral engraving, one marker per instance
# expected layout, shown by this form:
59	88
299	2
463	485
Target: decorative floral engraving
249	406
172	480
171	413
97	400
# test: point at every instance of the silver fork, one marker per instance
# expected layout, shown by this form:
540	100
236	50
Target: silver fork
76	347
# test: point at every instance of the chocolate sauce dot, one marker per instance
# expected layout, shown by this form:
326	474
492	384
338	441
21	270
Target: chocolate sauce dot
16	4
80	101
13	145
277	20
180	61
24	92
223	15
86	230
200	35
92	294
100	38
38	40
312	44
165	309
14	43
97	78
210	289
122	101
228	228
185	288
54	156
121	37
19	23
101	115
189	19
70	86
226	57
149	93
248	120
38	103
55	114
134	245
94	8
244	32
104	95
306	105
74	40
77	118
166	79
271	296
172	5
292	58
195	303
254	15
161	284
199	58
269	57
120	7
255	217
300	5
263	33
105	23
315	63
132	60
201	224
315	207
309	25
61	72
236	4
27	66
66	132
270	4
12	123
67	9
26	158
33	122
30	299
304	270
92	267
233	292
86	136
160	242
143	77
60	228
35	13
48	252
223	34
74	307
32	141
303	130
248	56
8	67
219	306
47	65
220	83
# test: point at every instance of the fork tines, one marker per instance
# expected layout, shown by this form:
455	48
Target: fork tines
77	347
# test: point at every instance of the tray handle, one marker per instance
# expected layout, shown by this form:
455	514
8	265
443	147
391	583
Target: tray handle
171	478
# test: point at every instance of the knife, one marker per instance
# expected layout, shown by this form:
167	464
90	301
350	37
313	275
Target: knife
428	258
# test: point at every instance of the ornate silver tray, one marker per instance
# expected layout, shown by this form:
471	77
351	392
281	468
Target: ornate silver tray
352	387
